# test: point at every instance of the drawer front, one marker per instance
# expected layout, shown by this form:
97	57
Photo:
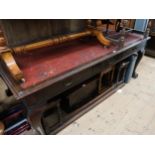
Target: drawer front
80	95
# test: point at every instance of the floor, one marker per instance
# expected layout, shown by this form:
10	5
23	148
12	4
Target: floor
131	110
